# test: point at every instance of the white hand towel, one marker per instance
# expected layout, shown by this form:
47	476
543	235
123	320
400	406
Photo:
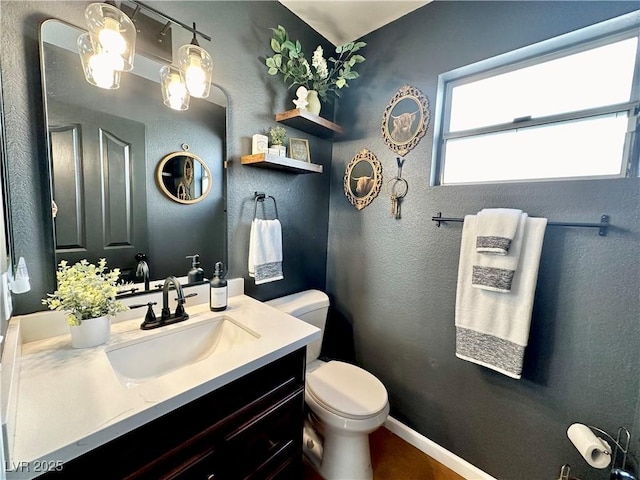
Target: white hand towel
492	329
496	272
496	229
265	251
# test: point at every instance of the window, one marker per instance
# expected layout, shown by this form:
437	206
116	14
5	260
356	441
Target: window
563	108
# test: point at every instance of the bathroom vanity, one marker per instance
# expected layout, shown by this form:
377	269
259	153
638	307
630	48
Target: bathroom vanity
231	411
250	428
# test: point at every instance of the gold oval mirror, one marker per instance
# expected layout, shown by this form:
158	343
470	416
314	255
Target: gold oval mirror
184	177
405	120
363	179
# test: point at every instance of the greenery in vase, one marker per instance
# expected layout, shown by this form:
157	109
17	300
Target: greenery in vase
278	135
325	77
85	291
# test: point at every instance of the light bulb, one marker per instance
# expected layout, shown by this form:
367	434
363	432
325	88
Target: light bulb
110	38
197	66
195	77
177	92
101	71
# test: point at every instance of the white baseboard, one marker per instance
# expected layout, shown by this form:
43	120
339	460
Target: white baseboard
435	451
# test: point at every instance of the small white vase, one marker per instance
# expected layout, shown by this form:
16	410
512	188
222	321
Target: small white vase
314	102
91	332
281	150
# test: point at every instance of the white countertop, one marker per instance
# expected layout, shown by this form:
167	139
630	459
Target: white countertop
70	401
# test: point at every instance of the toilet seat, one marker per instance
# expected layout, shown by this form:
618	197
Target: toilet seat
347	390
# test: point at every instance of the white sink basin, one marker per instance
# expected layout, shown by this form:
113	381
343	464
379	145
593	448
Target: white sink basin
163	352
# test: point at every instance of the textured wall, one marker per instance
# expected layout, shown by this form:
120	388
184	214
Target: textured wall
241	33
393	282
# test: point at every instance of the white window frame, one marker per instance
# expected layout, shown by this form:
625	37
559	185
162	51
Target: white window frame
610	31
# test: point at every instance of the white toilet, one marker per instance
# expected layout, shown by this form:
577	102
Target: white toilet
346	403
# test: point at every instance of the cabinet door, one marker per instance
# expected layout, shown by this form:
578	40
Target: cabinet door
264	443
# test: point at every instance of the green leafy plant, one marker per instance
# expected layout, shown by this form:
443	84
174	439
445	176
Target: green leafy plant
326	77
278	135
85	291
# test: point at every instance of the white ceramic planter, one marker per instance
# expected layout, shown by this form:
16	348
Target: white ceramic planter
91	332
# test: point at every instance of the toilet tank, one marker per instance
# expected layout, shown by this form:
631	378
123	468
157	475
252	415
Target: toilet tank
310	306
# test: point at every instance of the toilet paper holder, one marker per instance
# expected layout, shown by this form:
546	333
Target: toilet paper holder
620	446
622	432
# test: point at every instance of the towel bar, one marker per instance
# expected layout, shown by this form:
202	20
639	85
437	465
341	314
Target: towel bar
260	197
602	226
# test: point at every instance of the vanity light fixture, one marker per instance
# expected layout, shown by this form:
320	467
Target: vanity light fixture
96	67
113	35
174	88
197	65
108	49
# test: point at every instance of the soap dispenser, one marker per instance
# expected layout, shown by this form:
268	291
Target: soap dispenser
218	290
196	274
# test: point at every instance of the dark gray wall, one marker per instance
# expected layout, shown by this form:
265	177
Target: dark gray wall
393	282
241	34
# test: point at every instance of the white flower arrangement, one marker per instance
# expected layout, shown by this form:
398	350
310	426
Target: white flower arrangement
85	291
326	76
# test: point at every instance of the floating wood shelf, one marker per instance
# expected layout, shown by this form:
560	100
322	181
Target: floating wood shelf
310	123
264	160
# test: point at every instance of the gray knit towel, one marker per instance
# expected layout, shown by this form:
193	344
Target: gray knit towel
496	272
496	230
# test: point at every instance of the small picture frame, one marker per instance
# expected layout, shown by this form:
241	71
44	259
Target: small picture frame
299	149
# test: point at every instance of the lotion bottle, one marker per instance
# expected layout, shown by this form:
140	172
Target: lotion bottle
196	274
218	290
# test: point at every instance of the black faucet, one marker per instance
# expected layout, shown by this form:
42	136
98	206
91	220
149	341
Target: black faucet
166	317
166	311
142	270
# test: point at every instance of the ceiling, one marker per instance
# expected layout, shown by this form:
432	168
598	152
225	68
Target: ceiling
343	21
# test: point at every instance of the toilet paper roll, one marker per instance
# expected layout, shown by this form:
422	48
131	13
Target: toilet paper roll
593	449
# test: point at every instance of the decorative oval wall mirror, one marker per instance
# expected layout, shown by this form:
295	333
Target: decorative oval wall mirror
184	177
363	179
405	120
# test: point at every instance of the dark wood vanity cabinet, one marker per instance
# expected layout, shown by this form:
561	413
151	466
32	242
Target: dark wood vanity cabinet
248	429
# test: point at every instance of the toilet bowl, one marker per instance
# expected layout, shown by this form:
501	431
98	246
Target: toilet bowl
345	403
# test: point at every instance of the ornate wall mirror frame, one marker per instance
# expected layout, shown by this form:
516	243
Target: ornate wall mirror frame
405	120
184	177
363	179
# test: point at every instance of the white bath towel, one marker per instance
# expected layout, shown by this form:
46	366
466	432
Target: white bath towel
496	272
496	229
265	251
492	329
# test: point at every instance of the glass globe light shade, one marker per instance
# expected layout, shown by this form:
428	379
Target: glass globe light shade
98	67
112	31
174	89
197	66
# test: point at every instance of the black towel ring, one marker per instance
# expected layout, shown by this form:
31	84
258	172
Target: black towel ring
260	197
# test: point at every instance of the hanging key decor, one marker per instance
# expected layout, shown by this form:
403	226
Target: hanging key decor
397	188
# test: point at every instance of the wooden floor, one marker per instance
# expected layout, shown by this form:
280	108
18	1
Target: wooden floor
394	459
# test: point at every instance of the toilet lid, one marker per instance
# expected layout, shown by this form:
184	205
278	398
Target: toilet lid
347	390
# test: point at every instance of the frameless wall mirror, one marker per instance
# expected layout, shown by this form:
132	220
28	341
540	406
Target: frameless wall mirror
104	146
184	177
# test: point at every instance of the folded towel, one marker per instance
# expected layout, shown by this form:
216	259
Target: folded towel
265	251
496	229
496	272
492	329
